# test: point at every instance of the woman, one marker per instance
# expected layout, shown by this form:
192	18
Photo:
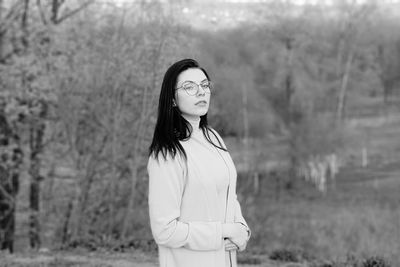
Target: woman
194	213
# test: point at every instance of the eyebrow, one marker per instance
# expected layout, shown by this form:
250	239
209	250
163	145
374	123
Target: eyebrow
194	81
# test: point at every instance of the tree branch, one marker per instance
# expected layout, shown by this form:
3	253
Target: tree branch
7	194
73	12
41	12
13	13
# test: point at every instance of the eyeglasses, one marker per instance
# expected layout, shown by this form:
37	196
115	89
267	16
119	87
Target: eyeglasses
192	88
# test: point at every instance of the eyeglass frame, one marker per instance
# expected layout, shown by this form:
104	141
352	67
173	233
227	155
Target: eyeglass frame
198	86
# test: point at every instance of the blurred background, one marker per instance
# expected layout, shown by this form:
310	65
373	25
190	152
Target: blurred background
307	98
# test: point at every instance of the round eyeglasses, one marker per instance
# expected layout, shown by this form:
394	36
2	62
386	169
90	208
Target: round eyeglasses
192	88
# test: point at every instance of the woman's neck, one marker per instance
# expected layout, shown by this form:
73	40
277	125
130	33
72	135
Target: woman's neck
194	121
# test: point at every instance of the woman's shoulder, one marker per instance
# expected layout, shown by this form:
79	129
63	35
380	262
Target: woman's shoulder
165	158
167	167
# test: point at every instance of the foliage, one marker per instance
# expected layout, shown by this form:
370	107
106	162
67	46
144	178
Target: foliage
284	255
107	244
376	261
248	259
352	261
56	263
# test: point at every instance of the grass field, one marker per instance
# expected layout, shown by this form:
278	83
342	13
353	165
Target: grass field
69	259
358	217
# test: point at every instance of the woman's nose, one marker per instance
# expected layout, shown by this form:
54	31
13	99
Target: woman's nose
201	91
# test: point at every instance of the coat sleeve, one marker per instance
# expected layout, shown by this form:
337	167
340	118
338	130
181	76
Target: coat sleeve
166	186
239	217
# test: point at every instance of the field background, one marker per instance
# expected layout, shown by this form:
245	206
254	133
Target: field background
295	81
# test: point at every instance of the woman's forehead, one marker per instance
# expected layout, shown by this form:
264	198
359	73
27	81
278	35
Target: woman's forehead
195	75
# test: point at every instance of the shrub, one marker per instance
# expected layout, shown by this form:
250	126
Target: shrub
248	259
285	255
349	261
376	261
352	261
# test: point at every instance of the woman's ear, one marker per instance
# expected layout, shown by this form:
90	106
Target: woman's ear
173	103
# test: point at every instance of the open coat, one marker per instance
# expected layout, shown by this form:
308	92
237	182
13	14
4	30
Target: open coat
185	213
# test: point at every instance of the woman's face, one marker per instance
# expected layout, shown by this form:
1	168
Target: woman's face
194	104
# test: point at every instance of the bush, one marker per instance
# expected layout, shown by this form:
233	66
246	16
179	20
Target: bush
285	255
376	261
352	261
248	259
110	244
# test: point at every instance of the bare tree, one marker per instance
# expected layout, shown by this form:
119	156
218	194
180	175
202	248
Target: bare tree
351	16
56	11
11	159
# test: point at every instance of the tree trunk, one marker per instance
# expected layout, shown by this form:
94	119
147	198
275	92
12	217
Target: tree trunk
8	192
65	229
83	198
245	128
117	103
133	167
339	57
24	25
383	75
11	159
2	34
113	187
55	7
36	147
289	89
343	88
289	86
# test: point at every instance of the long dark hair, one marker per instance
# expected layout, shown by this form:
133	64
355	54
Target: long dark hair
171	127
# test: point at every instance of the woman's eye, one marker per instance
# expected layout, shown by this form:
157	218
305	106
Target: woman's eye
189	87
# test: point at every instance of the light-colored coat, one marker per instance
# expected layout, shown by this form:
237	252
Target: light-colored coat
185	215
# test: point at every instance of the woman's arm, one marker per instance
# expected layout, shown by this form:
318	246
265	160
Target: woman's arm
238	232
239	217
166	186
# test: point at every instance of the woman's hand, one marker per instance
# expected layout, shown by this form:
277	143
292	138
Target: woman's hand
229	245
237	233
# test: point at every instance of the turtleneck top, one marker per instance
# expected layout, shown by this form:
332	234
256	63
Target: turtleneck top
209	157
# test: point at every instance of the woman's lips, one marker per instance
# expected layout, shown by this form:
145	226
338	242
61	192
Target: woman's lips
201	103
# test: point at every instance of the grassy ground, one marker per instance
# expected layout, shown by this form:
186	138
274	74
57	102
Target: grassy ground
63	259
75	259
358	216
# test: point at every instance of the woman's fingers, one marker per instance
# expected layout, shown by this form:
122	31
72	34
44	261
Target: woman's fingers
229	245
240	243
228	248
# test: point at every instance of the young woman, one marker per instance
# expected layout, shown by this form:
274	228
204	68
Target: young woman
195	216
